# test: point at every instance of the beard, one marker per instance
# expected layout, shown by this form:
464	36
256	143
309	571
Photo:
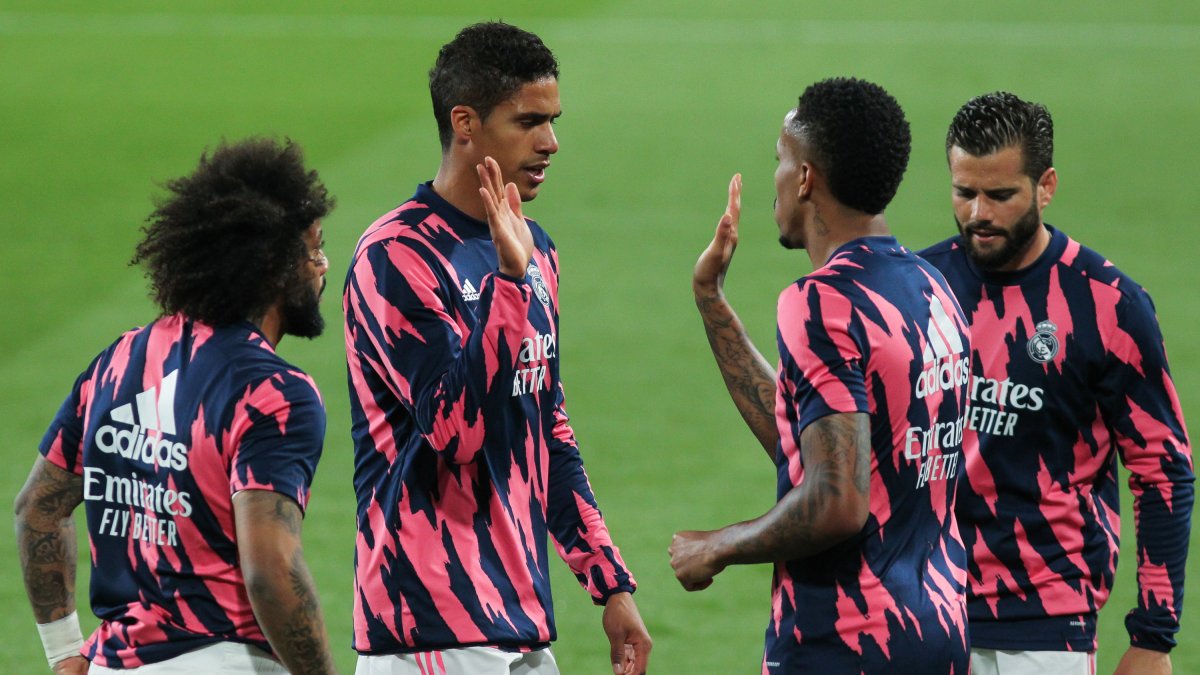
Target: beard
302	310
1016	240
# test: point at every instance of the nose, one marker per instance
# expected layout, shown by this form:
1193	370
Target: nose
547	141
981	210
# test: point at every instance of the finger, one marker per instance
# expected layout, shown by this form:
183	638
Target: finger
616	655
734	208
489	205
489	177
640	657
483	182
514	198
494	174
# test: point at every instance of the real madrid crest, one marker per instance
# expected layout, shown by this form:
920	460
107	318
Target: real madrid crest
539	285
1043	346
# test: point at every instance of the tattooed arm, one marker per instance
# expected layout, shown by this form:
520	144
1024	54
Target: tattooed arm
278	582
46	544
748	377
829	505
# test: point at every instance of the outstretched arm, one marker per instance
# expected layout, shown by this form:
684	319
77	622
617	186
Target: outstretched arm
278	582
830	505
748	377
46	544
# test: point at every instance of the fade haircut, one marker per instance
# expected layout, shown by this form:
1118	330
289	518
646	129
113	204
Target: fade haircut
483	66
858	136
228	239
995	121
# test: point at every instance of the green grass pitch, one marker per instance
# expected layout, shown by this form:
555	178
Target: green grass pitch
663	101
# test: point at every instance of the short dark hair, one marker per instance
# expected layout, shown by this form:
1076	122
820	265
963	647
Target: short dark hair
483	66
858	136
992	122
228	239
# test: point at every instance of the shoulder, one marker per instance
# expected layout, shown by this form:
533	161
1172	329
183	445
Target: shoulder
942	252
1104	278
257	372
413	220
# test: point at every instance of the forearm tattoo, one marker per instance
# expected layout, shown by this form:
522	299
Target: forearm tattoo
837	461
46	540
748	377
303	633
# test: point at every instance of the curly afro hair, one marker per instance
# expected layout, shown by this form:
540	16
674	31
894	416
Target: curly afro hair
858	136
484	66
228	240
992	122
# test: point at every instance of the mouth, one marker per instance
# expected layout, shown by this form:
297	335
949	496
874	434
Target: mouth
536	172
985	235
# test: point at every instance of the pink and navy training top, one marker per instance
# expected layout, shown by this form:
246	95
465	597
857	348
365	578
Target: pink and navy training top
876	330
464	459
1069	374
164	427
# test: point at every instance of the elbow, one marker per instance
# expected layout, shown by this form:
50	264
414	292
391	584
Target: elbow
848	518
264	572
262	580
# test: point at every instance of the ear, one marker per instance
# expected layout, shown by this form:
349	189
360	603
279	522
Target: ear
808	179
463	121
1046	186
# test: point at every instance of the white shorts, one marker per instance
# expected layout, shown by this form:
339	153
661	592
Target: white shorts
1006	662
222	657
461	661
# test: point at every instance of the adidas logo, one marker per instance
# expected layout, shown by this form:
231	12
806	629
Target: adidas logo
144	436
941	334
945	364
155	412
469	292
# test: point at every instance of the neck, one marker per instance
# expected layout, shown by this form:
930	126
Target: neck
833	226
457	182
1037	246
271	325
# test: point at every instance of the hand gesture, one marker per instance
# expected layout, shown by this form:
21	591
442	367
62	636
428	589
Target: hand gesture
708	278
510	232
692	558
629	642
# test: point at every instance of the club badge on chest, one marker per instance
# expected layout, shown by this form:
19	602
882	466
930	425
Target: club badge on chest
1043	346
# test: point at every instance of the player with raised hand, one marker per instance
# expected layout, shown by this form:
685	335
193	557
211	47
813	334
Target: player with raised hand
466	467
863	421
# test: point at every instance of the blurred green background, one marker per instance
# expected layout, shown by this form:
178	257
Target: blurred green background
664	100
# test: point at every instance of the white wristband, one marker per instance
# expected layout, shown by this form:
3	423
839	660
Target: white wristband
61	639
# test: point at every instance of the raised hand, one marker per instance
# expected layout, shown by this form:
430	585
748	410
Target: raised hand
708	277
510	232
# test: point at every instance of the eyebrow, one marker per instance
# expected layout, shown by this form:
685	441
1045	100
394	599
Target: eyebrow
538	117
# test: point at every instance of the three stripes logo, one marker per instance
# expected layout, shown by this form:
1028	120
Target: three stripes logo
469	292
143	430
946	366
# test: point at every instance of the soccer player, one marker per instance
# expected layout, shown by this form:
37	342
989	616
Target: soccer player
1069	373
192	444
465	463
864	420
